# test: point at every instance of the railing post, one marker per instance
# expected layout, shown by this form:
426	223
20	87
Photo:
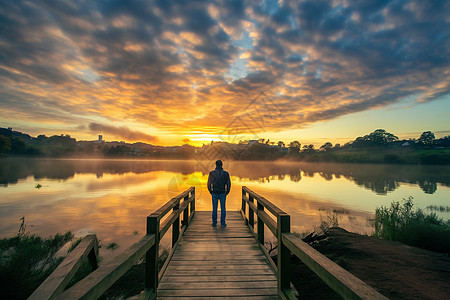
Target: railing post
176	224
243	202
193	201
284	254
152	255
251	216
186	213
260	224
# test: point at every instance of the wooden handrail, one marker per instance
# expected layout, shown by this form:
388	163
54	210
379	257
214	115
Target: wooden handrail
55	284
96	283
185	208
341	281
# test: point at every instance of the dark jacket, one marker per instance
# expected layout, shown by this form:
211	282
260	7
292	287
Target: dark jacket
219	181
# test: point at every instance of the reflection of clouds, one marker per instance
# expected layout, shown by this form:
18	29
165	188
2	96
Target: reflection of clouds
116	205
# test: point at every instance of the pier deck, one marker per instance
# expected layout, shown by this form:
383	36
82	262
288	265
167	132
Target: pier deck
218	262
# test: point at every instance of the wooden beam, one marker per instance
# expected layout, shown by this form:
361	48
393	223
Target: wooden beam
275	210
61	276
96	283
284	255
270	223
340	280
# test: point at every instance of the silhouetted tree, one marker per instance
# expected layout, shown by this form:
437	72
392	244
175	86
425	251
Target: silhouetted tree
326	147
377	138
5	144
294	147
281	144
427	138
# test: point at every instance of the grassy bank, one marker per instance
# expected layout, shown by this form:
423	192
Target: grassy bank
394	156
401	222
26	260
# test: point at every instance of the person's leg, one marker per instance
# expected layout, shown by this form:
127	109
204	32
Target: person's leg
215	198
223	211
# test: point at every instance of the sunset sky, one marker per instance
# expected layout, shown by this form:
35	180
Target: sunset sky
165	71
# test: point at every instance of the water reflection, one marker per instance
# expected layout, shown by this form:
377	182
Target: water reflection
380	179
112	197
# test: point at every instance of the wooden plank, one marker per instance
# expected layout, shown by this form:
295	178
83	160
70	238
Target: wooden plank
222	267
61	276
96	283
242	278
218	263
218	285
222	298
232	272
218	292
340	280
207	252
219	258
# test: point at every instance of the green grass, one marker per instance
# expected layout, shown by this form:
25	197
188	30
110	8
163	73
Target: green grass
401	222
26	260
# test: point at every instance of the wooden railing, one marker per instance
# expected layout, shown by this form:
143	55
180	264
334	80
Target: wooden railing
97	282
55	284
341	281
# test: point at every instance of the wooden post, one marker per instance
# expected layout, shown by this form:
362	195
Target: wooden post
284	255
193	201
251	216
186	213
176	223
260	224
243	202
92	258
151	256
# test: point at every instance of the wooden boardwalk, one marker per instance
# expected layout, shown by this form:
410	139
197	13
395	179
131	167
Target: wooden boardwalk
206	262
218	263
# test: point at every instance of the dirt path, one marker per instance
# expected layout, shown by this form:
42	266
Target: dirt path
394	269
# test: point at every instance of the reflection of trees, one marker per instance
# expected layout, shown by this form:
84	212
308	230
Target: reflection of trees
295	175
428	186
381	179
379	185
327	176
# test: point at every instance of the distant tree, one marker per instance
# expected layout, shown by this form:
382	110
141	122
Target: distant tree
261	141
443	142
294	147
337	146
17	145
326	147
377	138
5	144
427	138
308	148
281	144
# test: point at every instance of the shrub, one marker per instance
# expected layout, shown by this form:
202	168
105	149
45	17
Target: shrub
400	222
26	260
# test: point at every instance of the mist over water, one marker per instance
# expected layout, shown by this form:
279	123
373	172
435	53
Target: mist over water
113	197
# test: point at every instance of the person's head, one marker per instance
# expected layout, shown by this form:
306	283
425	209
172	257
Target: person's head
219	164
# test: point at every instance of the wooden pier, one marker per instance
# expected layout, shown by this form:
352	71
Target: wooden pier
218	262
206	262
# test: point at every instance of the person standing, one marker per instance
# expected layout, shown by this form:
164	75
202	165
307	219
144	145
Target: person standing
219	185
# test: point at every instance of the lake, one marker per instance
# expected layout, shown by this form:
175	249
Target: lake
113	197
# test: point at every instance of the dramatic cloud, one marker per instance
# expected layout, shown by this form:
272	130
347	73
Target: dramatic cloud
194	66
122	132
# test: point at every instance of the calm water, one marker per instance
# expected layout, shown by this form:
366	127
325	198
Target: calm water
112	197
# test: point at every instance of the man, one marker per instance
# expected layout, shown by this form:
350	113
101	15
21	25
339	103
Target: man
219	185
